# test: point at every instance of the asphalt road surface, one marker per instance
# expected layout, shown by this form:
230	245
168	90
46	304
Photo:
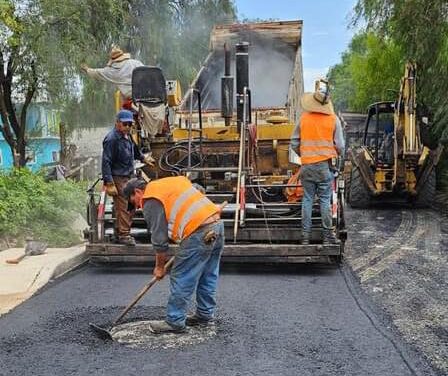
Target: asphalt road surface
300	321
401	259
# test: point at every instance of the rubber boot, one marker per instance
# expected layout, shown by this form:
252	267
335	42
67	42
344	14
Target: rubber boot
161	327
126	240
329	237
306	236
195	320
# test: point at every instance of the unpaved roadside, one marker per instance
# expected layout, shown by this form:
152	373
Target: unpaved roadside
400	258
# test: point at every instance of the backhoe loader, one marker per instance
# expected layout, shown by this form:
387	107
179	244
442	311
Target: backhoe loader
393	164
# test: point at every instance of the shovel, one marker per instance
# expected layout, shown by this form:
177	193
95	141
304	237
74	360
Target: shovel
105	333
32	248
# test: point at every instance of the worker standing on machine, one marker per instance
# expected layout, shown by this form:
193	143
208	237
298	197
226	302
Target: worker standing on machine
117	167
118	72
318	138
175	210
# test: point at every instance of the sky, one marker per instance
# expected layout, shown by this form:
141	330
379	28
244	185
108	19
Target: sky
325	28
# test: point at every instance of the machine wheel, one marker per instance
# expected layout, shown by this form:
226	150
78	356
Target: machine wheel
427	193
358	196
348	181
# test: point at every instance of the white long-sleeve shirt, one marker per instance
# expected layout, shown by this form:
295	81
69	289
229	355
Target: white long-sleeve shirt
118	73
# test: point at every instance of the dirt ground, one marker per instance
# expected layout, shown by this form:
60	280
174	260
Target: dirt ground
400	257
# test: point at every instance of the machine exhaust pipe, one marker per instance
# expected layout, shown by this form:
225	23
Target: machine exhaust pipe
227	89
242	81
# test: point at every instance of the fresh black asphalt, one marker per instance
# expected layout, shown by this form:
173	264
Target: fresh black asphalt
271	321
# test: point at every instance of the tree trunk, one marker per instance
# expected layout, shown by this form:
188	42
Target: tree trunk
63	143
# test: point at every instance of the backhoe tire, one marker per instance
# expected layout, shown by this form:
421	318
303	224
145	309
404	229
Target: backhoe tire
358	196
348	181
427	192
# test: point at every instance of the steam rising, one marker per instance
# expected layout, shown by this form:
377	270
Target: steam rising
271	64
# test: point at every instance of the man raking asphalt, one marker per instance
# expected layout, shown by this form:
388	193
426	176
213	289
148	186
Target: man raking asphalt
176	211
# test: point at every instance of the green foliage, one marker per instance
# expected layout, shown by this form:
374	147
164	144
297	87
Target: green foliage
370	71
30	206
420	28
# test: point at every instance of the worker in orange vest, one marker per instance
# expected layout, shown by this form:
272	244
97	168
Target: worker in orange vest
177	211
318	139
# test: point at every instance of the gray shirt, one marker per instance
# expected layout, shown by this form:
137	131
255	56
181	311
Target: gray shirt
118	73
338	138
155	218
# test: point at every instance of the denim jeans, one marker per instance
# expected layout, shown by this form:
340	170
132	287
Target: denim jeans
196	266
317	179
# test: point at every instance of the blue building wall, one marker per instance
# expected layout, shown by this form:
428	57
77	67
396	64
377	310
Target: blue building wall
42	123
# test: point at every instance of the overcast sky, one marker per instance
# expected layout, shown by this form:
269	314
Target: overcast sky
325	31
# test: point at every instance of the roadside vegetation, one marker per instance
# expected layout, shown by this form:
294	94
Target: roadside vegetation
46	211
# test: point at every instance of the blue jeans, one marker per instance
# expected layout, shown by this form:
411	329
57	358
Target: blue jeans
196	266
316	178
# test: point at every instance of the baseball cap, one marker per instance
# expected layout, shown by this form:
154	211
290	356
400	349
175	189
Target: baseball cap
128	190
125	116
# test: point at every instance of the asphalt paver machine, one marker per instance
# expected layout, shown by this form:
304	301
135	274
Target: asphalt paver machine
231	133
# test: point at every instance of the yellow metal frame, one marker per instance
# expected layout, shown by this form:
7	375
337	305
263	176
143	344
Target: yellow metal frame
222	133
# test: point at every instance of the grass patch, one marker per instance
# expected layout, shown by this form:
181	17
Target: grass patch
31	206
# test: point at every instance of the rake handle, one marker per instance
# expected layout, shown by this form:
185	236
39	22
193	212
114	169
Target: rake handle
142	292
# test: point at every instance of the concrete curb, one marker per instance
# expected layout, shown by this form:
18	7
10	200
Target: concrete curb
20	282
68	265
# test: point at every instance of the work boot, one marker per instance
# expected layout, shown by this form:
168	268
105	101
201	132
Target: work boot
126	240
195	320
160	327
306	236
329	237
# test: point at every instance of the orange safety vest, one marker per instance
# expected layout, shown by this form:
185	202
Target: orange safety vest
316	137
185	207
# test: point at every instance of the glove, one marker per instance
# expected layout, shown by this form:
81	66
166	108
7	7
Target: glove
150	161
159	269
111	189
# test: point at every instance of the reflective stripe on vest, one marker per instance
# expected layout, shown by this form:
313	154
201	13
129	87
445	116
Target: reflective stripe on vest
176	207
316	137
317	143
204	201
186	208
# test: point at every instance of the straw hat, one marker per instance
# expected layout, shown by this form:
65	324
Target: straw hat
319	101
116	55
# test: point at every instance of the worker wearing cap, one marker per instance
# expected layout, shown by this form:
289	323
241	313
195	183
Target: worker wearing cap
176	211
119	153
318	138
118	72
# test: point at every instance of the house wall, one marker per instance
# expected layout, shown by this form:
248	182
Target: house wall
42	123
44	150
6	160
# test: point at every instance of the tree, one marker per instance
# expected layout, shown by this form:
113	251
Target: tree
420	29
173	35
42	43
370	71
